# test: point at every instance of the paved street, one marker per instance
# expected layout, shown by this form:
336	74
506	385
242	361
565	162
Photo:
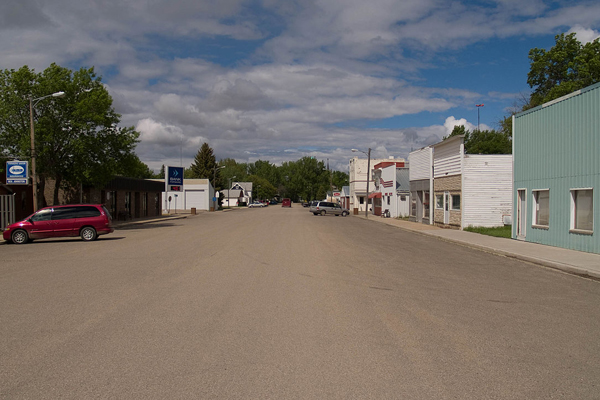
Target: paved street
276	303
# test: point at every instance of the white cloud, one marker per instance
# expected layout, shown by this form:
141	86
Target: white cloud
328	71
452	122
584	35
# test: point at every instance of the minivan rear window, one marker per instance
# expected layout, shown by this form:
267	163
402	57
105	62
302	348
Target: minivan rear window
87	212
107	212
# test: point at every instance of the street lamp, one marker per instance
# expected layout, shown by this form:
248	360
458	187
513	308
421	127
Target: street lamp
32	103
368	173
228	189
478	107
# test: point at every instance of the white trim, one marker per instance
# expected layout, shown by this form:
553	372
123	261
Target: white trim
572	228
534	221
521	215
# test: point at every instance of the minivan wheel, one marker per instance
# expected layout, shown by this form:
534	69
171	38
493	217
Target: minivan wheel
344	213
323	213
88	234
19	237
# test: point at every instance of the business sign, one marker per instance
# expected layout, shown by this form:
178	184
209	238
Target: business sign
17	172
174	179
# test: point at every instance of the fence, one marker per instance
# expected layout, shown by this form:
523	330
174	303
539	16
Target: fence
7	210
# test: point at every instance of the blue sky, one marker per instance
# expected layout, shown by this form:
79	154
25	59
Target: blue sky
279	80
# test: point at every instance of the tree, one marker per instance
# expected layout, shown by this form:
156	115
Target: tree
161	173
265	170
262	188
488	142
205	165
340	179
77	138
457	130
568	66
483	142
133	167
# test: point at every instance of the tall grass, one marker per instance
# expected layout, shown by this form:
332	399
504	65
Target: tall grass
501	231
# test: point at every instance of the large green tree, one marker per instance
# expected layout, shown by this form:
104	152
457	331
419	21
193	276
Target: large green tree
78	139
205	166
566	67
483	142
340	179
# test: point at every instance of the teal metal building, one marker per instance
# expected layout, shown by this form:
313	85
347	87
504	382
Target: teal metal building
556	184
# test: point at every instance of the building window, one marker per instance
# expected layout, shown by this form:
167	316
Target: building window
582	209
426	204
362	200
413	205
456	201
388	200
541	207
439	201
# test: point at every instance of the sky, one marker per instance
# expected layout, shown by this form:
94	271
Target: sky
280	80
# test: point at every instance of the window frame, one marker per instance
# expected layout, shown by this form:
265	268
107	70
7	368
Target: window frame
573	217
535	217
452	196
426	205
439	206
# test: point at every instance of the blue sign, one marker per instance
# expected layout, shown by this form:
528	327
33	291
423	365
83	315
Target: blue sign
17	172
174	175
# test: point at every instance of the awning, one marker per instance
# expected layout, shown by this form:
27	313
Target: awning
375	195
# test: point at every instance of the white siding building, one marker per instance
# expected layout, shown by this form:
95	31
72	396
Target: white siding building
197	193
391	191
487	190
470	190
421	184
358	180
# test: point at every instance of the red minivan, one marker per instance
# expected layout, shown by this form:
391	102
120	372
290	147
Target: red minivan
85	220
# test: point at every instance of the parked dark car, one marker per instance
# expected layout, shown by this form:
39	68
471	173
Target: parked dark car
85	220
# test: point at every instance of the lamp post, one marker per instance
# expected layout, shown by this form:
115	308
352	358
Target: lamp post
228	189
368	173
478	107
32	103
214	185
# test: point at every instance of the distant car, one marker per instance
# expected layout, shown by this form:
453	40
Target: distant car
256	204
85	220
286	203
327	207
273	202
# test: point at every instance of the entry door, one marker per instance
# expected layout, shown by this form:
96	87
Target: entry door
521	213
446	208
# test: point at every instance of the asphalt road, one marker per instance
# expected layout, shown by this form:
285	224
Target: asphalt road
276	303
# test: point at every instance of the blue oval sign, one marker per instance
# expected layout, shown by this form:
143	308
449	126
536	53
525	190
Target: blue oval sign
16	170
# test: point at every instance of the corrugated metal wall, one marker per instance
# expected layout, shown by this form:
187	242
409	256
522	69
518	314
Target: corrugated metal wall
557	147
486	190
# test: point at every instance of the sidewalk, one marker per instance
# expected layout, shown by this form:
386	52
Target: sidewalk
570	261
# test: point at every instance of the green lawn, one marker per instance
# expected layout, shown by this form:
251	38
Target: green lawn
501	231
